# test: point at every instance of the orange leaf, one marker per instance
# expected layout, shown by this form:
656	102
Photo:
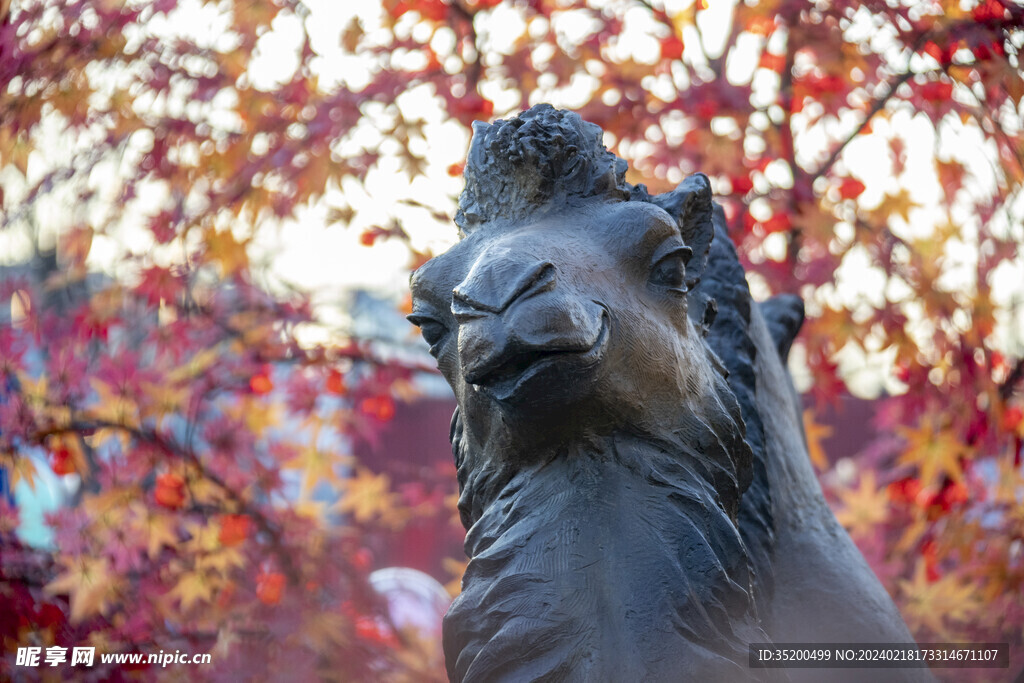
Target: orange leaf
380	407
671	48
905	490
261	384
233	529
224	249
816	433
368	237
74	246
761	25
336	383
772	62
170	491
851	188
65	455
269	587
1012	418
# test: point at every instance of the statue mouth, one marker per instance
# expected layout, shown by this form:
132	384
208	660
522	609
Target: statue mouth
512	376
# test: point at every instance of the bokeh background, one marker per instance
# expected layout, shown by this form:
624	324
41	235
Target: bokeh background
217	432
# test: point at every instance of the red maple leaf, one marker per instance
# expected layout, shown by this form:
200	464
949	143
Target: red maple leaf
671	48
159	284
269	587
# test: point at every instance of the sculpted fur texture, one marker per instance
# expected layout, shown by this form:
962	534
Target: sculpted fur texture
633	477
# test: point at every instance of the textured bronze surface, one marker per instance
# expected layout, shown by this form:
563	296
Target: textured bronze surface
634	480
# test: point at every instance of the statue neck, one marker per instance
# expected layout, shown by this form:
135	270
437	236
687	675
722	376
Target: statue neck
598	554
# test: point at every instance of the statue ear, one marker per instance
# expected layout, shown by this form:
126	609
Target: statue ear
690	204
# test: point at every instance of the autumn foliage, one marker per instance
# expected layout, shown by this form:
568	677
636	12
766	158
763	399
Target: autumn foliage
869	157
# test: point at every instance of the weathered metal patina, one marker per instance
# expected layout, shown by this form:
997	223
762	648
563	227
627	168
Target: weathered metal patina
634	479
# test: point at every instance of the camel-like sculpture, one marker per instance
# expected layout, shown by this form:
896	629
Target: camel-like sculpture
634	478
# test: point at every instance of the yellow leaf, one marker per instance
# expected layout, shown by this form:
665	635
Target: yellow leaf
105	435
952	9
204	491
681	20
367	496
258	414
192	587
405	390
913	533
162	399
863	507
898	204
934	604
101	641
58	415
932	248
223	248
196	365
816	433
34	390
318	465
203	538
311	509
89	586
19	468
934	451
110	508
112	406
159	530
221	561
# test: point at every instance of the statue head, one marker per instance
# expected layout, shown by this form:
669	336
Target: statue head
594	423
561	315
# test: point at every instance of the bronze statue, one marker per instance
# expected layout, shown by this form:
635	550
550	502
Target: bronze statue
634	480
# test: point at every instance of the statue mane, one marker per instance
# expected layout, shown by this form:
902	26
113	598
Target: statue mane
544	156
648	502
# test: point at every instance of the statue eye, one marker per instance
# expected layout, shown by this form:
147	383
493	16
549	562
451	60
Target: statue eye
670	270
433	330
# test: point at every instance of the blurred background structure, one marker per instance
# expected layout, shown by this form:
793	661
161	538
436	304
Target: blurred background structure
214	425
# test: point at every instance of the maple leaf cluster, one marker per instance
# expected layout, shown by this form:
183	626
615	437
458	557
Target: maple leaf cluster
218	506
214	504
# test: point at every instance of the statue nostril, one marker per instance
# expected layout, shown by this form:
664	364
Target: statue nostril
543	280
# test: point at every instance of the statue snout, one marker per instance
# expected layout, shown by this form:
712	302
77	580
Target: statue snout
514	321
480	303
